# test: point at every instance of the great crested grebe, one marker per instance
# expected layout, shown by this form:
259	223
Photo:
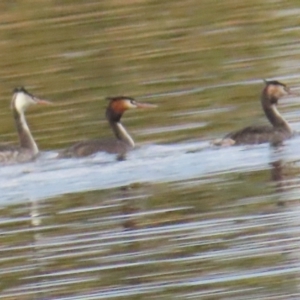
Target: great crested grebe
27	150
280	129
123	141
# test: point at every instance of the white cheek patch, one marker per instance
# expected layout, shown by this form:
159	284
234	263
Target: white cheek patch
282	91
277	91
23	101
129	104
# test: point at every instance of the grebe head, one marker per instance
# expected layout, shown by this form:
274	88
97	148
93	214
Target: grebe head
275	90
118	105
22	100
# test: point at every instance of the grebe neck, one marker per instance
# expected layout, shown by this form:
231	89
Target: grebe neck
270	108
121	133
25	136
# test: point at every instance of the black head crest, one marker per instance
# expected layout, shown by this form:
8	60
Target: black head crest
20	89
118	98
273	82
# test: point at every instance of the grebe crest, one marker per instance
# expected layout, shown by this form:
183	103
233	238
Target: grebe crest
275	90
118	105
22	99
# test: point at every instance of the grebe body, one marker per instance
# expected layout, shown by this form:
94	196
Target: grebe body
280	129
27	149
122	142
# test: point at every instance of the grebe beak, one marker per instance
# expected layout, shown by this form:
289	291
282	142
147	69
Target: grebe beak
293	93
42	101
145	105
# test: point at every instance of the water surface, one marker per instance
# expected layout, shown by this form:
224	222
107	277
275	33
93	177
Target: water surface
178	219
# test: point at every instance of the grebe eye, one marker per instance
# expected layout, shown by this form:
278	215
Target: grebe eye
133	102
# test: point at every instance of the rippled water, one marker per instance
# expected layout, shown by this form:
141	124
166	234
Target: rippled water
179	218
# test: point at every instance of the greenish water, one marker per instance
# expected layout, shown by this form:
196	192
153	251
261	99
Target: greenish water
178	219
76	53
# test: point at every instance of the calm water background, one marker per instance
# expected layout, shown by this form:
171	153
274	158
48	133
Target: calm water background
178	219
